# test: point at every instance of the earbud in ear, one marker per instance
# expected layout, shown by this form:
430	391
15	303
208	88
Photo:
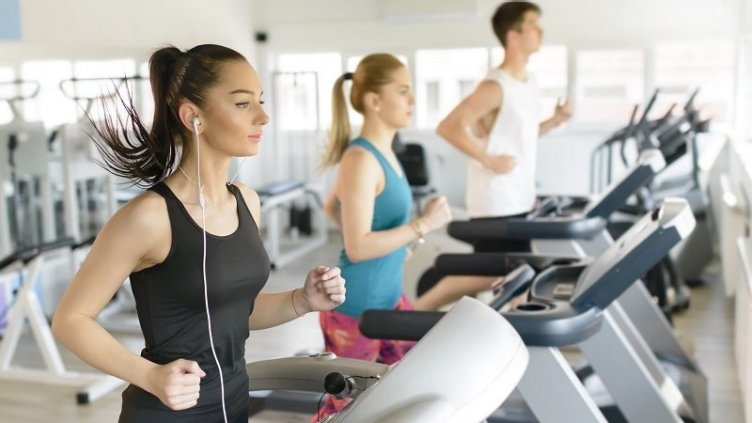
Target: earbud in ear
196	122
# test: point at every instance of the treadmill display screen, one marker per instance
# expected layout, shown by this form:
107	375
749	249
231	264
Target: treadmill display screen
631	256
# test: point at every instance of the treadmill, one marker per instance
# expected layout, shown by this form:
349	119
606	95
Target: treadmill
576	304
555	230
651	323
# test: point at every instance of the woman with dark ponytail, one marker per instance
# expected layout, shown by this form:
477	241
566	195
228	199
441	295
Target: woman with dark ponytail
190	245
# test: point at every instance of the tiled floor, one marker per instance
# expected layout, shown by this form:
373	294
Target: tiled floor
707	325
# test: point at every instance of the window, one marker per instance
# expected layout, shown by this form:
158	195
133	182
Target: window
301	104
145	100
104	68
432	103
50	106
108	71
681	67
466	87
7	74
549	67
442	77
302	87
609	84
745	89
497	56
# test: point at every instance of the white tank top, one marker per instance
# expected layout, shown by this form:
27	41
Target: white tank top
514	132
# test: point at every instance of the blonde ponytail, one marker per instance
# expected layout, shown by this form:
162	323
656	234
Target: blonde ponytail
339	134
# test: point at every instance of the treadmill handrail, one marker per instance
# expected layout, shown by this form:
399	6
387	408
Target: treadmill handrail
27	254
493	263
616	195
550	321
579	226
517	281
522	229
557	325
35	87
635	252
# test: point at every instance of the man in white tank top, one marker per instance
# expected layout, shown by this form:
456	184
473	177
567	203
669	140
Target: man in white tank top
498	127
503	114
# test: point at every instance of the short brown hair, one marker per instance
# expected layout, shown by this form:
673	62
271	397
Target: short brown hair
509	16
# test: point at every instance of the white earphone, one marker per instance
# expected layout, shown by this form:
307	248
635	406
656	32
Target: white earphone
196	123
202	202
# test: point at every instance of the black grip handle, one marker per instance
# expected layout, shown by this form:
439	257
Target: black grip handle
517	281
29	253
649	107
480	264
546	207
399	325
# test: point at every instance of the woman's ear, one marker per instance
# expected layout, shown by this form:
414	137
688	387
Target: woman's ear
372	101
190	117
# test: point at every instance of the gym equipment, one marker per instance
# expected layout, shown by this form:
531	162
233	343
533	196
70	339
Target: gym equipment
675	136
427	385
554	228
639	308
295	159
275	197
24	159
79	162
637	304
575	304
559	217
412	157
82	175
90	386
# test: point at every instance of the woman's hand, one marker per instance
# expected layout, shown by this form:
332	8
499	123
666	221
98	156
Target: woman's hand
436	214
323	290
176	384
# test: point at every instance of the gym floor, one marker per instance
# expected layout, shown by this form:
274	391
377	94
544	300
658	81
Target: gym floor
707	328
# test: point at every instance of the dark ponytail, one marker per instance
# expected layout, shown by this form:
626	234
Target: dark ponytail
145	157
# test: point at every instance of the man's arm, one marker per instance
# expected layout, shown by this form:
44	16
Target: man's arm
487	98
562	113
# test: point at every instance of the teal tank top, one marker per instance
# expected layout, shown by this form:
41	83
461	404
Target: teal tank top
377	283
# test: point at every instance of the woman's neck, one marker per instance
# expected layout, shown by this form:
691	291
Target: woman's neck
213	176
379	134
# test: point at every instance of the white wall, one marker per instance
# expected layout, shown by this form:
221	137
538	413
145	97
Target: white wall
747	16
744	77
96	28
336	24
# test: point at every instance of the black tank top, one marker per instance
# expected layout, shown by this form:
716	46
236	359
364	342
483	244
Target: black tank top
171	311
